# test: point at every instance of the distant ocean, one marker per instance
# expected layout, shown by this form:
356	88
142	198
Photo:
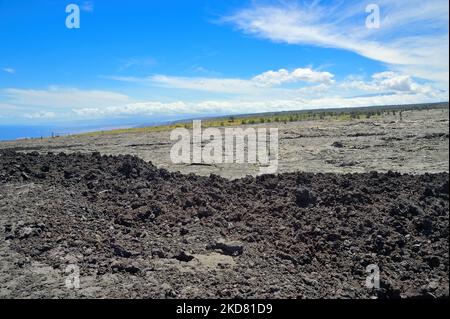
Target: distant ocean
22	131
14	132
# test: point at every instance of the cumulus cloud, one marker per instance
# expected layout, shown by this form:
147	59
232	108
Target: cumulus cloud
140	108
234	85
412	38
390	82
281	76
237	106
398	82
384	88
303	82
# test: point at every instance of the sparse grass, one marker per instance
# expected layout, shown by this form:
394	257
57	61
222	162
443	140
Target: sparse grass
229	123
282	117
147	129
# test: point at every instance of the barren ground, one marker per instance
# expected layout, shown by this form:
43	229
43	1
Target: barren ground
139	230
417	144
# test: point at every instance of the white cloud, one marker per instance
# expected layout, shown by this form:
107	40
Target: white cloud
9	70
141	108
63	98
40	115
281	76
384	88
396	82
223	85
413	37
257	84
390	82
239	106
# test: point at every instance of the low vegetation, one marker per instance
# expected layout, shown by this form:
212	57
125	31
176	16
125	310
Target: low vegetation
342	114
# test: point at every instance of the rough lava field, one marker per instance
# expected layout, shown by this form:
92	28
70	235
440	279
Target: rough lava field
137	230
416	144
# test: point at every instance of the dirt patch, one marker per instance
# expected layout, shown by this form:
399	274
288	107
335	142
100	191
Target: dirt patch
126	223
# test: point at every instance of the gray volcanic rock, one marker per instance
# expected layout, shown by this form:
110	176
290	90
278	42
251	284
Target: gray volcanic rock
125	223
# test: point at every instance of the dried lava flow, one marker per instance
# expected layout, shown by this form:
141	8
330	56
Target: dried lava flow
299	234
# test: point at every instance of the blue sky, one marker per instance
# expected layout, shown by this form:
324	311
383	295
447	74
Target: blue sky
143	61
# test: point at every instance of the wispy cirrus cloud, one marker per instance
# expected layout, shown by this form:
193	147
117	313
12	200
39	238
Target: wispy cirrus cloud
55	102
56	97
255	84
134	62
40	115
412	38
9	70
